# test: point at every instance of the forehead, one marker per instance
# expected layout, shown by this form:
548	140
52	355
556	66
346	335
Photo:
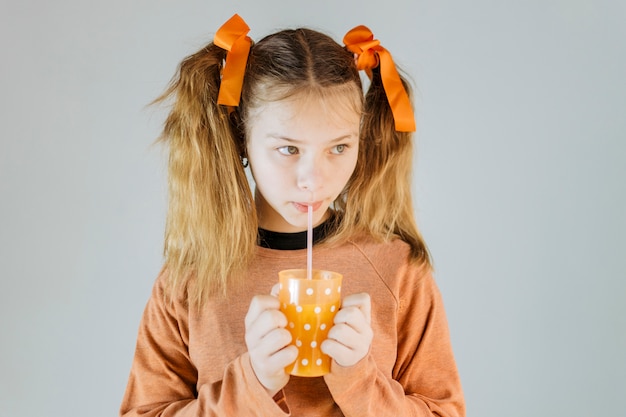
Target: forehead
334	109
300	118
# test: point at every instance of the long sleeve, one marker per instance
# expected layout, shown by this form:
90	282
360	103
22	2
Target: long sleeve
424	381
163	378
195	362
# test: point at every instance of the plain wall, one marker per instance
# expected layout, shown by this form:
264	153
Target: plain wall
519	187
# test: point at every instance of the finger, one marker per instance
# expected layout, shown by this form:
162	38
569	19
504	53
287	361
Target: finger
259	304
273	355
360	300
271	370
352	316
356	340
281	358
341	354
346	335
269	359
263	325
271	343
275	290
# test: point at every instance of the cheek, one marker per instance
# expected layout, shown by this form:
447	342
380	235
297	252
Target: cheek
267	174
341	175
258	163
349	169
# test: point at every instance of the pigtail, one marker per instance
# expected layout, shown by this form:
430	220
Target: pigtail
211	223
378	200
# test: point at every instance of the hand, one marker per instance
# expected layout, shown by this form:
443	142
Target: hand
350	338
268	342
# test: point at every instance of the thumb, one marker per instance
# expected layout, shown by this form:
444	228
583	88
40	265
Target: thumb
275	290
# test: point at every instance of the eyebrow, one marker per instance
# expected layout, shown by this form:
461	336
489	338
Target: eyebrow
291	140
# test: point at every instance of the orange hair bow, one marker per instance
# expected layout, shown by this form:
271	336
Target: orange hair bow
232	36
370	54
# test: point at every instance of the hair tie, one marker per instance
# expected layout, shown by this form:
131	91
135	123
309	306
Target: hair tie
369	54
232	37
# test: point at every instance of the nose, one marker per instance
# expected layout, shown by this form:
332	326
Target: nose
311	174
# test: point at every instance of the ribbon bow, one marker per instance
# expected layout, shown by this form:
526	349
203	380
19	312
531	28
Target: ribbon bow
232	36
370	54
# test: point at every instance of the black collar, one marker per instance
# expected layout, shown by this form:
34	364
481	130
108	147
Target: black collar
294	241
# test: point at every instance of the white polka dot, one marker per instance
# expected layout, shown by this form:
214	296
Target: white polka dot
332	309
314	344
309	291
307	326
299	309
338	289
284	306
298	342
280	286
318	310
327	292
305	362
292	325
318	362
323	326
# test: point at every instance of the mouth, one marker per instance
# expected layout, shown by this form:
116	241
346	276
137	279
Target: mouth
304	207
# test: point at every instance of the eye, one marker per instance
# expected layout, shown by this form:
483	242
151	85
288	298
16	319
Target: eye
339	149
288	150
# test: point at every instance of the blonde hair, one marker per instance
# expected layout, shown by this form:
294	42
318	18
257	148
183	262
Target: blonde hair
212	226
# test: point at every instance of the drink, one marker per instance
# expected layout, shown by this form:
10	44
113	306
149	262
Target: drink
310	306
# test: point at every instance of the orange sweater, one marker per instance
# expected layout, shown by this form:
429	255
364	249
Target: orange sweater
194	363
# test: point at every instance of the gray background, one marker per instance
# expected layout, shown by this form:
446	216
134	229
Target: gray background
519	187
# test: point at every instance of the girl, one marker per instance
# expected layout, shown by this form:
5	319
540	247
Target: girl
212	341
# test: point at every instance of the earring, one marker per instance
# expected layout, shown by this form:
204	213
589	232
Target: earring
244	161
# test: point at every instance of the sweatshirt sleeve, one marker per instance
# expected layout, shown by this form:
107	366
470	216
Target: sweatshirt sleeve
163	378
425	381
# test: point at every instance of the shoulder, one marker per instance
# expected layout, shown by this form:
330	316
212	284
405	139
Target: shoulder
393	251
168	295
392	259
370	244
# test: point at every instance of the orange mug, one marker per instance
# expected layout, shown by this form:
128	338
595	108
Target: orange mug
310	306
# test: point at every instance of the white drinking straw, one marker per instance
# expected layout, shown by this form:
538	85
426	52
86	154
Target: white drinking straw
309	245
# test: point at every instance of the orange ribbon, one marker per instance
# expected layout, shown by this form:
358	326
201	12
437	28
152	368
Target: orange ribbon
370	54
232	36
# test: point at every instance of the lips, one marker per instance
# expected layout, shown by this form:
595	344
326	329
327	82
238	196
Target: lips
304	207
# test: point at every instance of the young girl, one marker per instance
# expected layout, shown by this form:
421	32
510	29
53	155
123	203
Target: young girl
212	340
